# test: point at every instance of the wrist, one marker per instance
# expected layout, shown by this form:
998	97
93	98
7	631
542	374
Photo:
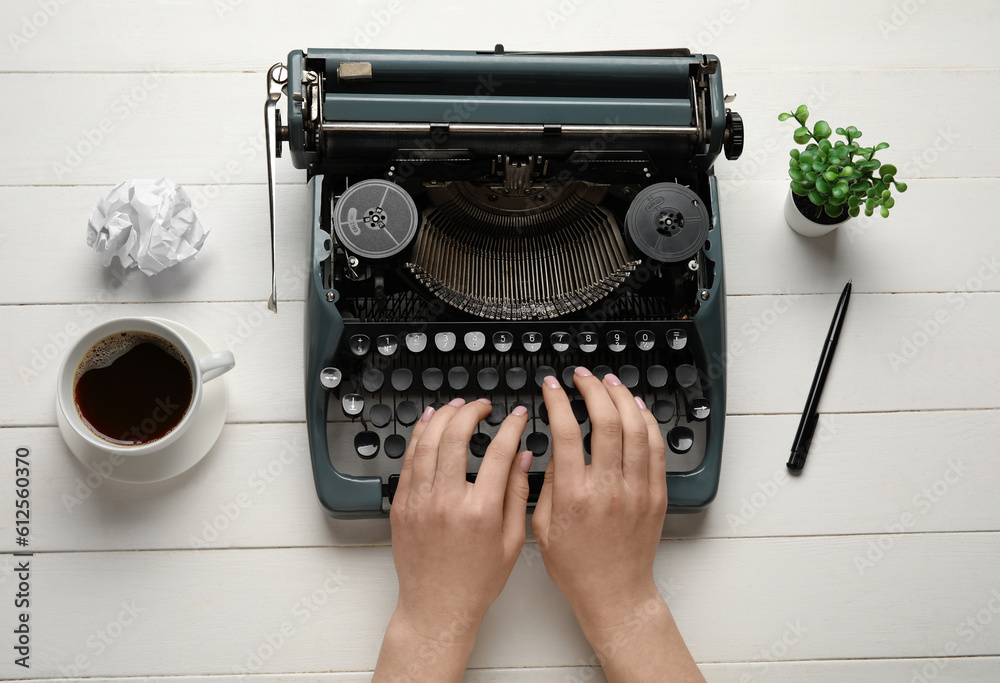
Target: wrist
436	630
618	612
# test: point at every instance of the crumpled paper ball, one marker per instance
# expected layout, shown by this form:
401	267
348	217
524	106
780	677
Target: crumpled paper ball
148	224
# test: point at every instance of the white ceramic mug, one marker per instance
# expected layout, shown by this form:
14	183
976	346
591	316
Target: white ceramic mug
72	425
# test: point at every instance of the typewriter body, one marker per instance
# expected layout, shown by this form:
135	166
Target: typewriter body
482	220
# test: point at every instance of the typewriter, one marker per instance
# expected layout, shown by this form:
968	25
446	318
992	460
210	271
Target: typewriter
483	219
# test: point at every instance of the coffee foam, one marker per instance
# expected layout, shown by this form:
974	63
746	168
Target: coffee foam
109	349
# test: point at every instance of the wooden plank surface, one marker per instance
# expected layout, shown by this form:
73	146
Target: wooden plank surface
906	253
241	35
897	352
797	599
909	473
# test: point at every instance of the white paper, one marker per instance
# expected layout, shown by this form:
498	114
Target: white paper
148	224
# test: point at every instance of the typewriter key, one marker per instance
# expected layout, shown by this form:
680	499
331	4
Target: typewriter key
680	440
416	341
656	375
353	404
629	375
360	344
537	443
407	413
686	375
380	415
478	444
662	410
542	372
616	340
458	378
532	341
601	371
372	380
366	444
387	344
432	379
700	409
395	446
330	377
587	341
560	341
503	341
445	341
488	379
401	379
475	341
517	378
645	340
677	339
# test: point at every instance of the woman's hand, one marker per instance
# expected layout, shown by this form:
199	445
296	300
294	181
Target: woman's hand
598	527
454	543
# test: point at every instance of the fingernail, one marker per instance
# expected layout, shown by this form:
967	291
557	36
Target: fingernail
525	463
551	382
520	411
428	413
457	402
582	371
484	400
612	380
640	403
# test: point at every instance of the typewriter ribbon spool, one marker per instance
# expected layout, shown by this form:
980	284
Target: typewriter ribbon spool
375	219
667	222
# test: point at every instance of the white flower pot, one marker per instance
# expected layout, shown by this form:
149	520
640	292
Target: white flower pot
806	226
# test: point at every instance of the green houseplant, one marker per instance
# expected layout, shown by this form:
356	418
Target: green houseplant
834	181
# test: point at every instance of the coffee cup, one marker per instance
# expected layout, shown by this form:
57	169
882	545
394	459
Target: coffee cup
131	386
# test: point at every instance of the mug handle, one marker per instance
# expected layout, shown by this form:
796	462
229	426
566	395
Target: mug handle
216	364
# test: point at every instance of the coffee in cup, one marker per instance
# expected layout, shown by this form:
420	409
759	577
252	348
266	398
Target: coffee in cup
132	387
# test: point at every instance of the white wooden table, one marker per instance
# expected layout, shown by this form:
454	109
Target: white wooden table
881	563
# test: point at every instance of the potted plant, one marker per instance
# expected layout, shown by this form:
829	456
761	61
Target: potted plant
833	181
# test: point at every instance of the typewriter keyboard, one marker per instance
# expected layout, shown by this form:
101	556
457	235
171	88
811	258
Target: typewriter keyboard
384	375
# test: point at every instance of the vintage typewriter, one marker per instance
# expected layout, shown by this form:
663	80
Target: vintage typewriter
483	219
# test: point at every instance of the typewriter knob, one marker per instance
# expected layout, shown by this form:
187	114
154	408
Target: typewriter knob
375	219
733	144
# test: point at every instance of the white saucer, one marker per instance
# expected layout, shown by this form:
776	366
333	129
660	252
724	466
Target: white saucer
179	457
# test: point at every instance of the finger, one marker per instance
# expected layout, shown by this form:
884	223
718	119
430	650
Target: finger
542	517
425	451
406	472
635	432
492	479
657	453
606	432
515	502
453	451
567	444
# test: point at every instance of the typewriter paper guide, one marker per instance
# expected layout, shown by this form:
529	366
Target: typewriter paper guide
481	220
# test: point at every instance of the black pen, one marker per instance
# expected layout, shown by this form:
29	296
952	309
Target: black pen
810	415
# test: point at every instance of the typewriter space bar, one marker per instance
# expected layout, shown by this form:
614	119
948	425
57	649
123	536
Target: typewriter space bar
535	480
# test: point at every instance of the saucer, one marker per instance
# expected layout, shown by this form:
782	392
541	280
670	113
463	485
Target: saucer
182	455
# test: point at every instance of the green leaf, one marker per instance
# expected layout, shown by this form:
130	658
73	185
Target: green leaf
853	212
900	187
869	212
798	189
816	198
886	194
825	145
881	145
846	171
838	201
886	178
842	186
853	201
784	116
822	186
796	175
831	175
819	166
888	168
841	131
869	205
794	153
832	211
822	130
889	203
802	113
811	176
801	135
884	211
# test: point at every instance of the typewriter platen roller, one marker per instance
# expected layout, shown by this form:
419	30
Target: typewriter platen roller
482	220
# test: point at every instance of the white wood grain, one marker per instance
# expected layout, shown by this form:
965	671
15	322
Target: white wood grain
732	599
251	34
772	346
915	472
903	254
150	129
965	669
